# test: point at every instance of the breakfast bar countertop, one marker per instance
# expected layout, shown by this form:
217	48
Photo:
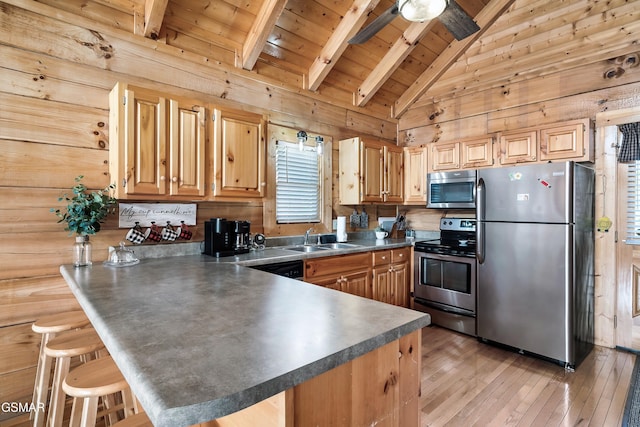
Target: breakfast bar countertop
197	339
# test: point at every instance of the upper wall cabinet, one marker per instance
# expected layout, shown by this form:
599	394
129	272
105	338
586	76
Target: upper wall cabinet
572	140
415	173
468	153
157	145
370	172
238	155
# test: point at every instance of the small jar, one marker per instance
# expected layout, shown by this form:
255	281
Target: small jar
82	252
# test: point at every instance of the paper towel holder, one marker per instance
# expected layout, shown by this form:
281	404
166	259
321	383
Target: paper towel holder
341	229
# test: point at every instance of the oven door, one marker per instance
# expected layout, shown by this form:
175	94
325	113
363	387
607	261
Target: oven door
447	280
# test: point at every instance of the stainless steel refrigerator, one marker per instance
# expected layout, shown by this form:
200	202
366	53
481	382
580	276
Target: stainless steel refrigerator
535	251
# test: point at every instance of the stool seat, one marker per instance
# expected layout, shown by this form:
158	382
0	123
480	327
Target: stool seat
74	343
137	420
100	377
60	322
96	378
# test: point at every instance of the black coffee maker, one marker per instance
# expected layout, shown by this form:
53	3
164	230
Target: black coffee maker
225	238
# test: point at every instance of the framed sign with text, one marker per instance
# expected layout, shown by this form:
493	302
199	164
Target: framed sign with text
160	213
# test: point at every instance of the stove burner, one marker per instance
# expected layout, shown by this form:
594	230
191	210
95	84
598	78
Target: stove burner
457	237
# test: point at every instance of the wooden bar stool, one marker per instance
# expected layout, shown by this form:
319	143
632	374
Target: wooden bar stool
82	342
137	420
49	326
87	383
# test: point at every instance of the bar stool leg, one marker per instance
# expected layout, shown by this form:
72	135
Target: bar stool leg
56	406
84	414
41	386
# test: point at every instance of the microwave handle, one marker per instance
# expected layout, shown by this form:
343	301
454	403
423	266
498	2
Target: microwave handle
480	211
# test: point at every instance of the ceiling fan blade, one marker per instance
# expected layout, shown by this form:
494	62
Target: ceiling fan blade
456	20
376	25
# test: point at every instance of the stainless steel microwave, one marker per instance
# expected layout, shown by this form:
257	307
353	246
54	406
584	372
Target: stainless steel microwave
451	189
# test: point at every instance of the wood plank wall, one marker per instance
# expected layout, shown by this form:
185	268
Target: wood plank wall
56	74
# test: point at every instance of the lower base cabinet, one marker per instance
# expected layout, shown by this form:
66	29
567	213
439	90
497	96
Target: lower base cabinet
380	275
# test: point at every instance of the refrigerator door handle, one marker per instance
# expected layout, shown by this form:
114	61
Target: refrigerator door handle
480	206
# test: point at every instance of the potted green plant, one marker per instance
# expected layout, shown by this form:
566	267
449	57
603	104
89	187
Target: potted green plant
86	210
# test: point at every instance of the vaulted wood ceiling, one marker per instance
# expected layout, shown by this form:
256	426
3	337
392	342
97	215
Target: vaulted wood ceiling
302	44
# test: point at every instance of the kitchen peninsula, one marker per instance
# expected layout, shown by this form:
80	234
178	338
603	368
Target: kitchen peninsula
198	340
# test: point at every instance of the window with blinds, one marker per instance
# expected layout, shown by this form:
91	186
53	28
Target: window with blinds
298	192
633	204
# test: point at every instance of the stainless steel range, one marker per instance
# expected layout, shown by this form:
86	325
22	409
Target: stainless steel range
445	276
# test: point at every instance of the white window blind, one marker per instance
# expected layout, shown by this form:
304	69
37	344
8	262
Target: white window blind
633	204
297	184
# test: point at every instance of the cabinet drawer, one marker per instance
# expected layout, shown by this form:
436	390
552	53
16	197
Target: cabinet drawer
317	267
400	255
381	257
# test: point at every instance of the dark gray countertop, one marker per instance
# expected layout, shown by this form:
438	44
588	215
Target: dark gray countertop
198	339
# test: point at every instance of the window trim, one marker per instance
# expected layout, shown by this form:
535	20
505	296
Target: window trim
271	227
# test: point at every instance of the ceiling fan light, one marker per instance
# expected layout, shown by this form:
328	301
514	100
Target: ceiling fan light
421	10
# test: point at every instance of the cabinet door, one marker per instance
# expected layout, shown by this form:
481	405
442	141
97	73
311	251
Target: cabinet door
371	167
381	279
334	282
445	156
393	174
187	148
415	173
519	147
357	283
477	153
143	145
239	155
562	142
399	284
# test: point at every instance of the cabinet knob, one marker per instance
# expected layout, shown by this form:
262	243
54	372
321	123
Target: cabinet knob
174	179
162	178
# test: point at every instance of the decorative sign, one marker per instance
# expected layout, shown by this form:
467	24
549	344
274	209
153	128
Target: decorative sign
159	213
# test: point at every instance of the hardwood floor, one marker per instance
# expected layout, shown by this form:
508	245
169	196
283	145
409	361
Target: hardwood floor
469	383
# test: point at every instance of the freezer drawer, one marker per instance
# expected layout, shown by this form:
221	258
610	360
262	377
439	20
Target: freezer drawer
525	287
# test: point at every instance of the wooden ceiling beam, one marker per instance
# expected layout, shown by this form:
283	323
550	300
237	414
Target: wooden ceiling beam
338	42
260	30
391	61
153	16
487	16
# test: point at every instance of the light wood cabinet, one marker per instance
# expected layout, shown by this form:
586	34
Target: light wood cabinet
571	140
465	154
415	175
238	170
370	172
390	276
518	147
347	273
157	145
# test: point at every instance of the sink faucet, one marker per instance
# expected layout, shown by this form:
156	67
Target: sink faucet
306	236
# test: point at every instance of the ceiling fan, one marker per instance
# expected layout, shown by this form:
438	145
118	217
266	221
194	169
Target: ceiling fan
456	20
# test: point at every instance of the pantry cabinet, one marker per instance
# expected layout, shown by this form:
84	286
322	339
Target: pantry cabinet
464	154
156	145
371	171
238	170
347	273
390	276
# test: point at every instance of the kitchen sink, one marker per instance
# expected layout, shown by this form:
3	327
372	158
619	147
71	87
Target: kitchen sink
338	245
319	247
305	248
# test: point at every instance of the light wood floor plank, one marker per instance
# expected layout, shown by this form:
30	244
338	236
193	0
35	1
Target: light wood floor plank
469	383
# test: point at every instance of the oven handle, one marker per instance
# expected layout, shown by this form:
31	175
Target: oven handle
480	201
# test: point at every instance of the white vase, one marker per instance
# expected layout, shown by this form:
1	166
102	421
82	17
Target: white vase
82	252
